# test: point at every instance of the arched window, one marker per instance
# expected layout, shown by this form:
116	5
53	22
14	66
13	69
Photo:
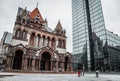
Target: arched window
66	63
28	21
53	43
23	21
58	31
63	43
61	32
43	41
59	43
48	41
24	35
37	40
18	32
32	39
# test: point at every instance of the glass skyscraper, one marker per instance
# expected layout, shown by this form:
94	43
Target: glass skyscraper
87	18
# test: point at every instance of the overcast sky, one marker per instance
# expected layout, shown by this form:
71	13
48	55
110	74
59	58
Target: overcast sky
55	10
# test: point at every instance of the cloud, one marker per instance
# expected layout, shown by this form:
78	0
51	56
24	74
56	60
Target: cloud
111	12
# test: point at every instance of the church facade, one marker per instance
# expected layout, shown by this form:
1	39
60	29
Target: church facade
36	47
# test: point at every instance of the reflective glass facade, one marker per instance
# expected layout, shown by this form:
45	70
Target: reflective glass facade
113	39
87	17
80	24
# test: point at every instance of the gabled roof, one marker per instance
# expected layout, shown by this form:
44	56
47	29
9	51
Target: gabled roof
59	26
36	12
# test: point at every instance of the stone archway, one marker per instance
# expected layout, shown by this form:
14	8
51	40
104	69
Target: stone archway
17	63
66	63
46	61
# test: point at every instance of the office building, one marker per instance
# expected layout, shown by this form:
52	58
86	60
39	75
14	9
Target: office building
89	31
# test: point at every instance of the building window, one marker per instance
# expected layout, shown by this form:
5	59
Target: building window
43	41
48	40
24	35
59	43
53	42
29	62
18	32
63	44
23	21
37	40
36	62
32	39
6	50
58	31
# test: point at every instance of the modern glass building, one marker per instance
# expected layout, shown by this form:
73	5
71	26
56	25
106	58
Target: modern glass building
113	39
87	18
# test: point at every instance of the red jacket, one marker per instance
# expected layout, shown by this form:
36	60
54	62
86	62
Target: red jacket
79	72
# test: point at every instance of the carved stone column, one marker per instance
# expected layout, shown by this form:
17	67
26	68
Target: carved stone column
8	63
57	66
33	63
23	60
41	42
62	65
11	62
51	65
45	42
35	42
39	64
25	63
71	68
50	43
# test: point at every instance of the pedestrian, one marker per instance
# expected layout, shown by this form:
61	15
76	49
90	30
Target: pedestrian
83	72
97	73
78	73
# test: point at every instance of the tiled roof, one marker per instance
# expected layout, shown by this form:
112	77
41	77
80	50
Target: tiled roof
36	12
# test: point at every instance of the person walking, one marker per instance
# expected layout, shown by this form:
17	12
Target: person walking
83	72
97	73
78	73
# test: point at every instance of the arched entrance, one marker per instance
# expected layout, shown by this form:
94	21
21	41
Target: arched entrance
66	63
45	61
17	63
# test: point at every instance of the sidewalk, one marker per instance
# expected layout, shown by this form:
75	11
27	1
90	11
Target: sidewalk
57	77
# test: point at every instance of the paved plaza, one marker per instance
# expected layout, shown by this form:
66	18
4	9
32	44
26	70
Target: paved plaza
57	77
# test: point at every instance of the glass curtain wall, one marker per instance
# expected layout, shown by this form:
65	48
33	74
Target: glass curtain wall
86	13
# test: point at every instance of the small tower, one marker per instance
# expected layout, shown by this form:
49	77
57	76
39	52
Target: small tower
21	20
59	29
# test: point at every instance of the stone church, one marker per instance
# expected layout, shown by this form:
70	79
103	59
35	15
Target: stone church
36	47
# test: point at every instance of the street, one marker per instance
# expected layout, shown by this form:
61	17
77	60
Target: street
57	77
